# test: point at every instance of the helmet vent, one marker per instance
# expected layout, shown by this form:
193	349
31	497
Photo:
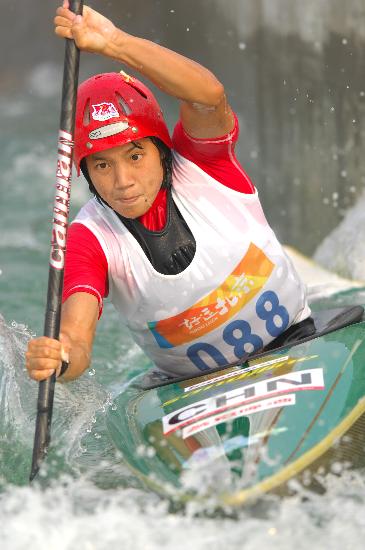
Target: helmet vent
135	87
124	105
86	119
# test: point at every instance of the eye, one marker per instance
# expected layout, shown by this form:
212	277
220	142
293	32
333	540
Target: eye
101	165
136	156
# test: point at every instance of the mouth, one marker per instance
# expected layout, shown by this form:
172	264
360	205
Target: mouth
128	200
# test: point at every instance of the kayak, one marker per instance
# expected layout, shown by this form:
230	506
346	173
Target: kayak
293	412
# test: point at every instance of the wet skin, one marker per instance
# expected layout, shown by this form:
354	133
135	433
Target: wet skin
127	177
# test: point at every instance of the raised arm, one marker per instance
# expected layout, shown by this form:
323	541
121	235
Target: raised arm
204	110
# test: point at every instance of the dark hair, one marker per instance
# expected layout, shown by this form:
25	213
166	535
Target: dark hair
166	161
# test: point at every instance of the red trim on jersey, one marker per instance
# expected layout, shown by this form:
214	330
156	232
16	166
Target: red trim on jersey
86	267
215	156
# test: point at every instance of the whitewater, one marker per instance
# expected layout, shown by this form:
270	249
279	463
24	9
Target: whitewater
85	496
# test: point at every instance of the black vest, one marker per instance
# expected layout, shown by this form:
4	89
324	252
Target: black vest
171	250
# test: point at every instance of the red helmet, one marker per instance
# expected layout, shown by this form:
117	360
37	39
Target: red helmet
113	109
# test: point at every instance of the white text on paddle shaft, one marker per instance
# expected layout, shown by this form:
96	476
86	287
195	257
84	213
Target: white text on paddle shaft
62	200
311	379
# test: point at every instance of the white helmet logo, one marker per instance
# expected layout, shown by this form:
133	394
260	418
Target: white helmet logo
104	111
109	130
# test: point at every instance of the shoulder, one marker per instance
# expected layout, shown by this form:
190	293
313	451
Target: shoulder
82	243
215	156
86	268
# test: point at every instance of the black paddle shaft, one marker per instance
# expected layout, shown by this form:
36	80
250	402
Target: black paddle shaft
52	320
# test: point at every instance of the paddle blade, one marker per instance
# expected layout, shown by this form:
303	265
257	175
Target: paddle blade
42	435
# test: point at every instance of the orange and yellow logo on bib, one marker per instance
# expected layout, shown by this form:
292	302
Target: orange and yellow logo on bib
212	311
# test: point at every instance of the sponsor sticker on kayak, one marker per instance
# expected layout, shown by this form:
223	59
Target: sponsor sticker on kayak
215	309
233	376
229	375
245	410
311	379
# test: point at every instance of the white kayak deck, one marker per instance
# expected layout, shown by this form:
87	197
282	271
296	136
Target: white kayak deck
320	281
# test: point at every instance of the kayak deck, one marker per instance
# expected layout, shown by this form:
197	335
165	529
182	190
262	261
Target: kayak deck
249	428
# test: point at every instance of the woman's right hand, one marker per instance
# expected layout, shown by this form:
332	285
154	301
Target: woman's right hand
45	355
92	31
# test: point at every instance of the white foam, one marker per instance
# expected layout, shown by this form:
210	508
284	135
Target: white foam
78	515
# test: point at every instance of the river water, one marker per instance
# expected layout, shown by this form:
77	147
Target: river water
86	497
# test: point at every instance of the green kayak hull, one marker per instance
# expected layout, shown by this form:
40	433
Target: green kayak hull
251	428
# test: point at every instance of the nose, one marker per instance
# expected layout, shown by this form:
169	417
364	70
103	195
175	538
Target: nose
123	177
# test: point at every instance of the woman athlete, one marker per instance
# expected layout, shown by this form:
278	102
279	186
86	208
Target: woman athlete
174	233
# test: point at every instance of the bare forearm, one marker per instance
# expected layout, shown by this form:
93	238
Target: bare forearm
173	73
78	324
79	361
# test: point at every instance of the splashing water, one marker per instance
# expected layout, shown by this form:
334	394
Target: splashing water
69	515
79	443
16	393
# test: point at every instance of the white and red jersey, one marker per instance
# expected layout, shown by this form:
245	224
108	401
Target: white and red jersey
86	266
240	290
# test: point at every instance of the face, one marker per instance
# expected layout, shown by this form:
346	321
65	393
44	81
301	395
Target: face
127	177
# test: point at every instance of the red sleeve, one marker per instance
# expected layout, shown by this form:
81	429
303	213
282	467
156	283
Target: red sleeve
86	267
215	156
